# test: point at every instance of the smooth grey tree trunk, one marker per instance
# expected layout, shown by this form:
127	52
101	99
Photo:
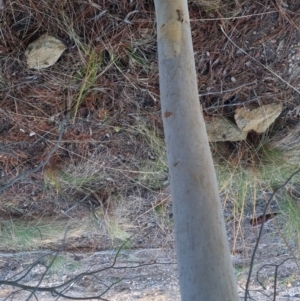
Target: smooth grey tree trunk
204	262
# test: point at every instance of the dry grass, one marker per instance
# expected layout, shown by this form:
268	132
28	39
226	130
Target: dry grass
247	176
20	235
288	141
111	165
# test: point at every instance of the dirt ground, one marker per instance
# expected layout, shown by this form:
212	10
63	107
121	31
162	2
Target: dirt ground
150	274
107	170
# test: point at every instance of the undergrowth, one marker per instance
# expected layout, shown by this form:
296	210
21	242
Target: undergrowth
112	149
247	176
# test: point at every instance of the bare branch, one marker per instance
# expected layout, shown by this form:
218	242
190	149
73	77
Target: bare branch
61	291
261	229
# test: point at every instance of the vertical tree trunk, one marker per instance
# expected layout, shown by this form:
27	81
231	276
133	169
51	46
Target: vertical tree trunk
204	262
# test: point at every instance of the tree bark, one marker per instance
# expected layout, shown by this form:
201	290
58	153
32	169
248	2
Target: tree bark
204	262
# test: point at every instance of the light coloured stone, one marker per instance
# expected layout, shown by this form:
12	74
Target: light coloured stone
221	129
257	119
44	52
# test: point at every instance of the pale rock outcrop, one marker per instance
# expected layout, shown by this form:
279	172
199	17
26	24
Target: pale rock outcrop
221	129
257	119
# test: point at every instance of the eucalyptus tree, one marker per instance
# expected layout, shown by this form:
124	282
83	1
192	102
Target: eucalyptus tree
204	262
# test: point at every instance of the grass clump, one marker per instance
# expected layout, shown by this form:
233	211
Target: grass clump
246	176
109	211
59	264
83	176
87	77
290	210
114	219
154	170
29	235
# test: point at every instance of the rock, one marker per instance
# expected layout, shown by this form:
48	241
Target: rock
221	129
44	52
257	119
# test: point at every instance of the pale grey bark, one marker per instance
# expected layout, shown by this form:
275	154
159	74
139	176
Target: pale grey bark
205	268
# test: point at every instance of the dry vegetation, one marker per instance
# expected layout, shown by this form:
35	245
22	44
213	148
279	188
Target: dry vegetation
108	176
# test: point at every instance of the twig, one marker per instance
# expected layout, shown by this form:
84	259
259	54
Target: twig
288	246
216	19
277	266
62	289
233	18
49	266
27	270
261	229
231	104
229	90
42	164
